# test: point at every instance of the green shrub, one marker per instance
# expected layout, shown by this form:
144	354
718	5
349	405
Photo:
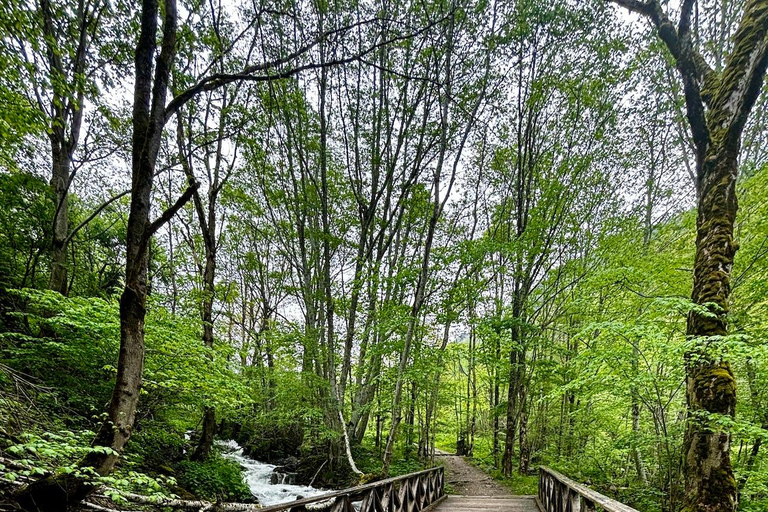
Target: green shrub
270	440
214	479
366	457
155	447
403	466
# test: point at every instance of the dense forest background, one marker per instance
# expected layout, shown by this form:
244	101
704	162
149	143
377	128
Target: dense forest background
372	229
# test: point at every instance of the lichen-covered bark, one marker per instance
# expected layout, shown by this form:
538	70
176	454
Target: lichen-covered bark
717	106
710	384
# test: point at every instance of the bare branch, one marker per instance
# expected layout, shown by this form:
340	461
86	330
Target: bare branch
698	77
170	212
684	25
637	6
217	80
93	215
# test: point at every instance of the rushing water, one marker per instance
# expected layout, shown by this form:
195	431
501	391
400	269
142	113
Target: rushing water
259	477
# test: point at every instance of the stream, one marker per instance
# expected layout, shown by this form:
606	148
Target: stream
260	475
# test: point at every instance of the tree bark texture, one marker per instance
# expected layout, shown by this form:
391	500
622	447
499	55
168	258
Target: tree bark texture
66	115
60	185
718	104
58	493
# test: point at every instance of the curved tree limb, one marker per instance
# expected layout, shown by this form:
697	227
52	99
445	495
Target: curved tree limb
170	212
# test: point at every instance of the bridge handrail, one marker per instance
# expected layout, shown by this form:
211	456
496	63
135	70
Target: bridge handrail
414	491
558	493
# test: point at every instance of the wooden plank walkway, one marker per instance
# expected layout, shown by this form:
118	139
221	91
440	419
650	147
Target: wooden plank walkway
487	503
476	491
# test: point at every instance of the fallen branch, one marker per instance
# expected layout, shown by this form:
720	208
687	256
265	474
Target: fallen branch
311	482
188	504
94	506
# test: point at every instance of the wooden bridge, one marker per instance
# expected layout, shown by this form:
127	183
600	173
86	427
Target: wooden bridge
424	491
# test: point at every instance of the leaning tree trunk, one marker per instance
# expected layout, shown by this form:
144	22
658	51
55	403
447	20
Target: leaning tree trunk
410	334
57	493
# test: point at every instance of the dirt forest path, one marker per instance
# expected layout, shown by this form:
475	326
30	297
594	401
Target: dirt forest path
467	480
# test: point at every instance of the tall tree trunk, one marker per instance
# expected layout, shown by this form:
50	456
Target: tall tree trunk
718	104
511	416
495	405
410	420
204	446
335	403
60	184
472	377
710	385
635	409
65	123
525	450
636	454
516	374
207	220
59	492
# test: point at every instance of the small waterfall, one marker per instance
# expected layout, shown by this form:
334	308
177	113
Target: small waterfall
269	486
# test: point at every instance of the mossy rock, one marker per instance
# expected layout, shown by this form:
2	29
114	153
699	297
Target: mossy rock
183	494
371	477
166	470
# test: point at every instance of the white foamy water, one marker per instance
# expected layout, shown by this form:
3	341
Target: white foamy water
258	476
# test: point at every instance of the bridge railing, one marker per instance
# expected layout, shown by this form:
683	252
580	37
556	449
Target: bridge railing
408	493
558	493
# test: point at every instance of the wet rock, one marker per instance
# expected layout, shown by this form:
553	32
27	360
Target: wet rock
287	465
281	478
